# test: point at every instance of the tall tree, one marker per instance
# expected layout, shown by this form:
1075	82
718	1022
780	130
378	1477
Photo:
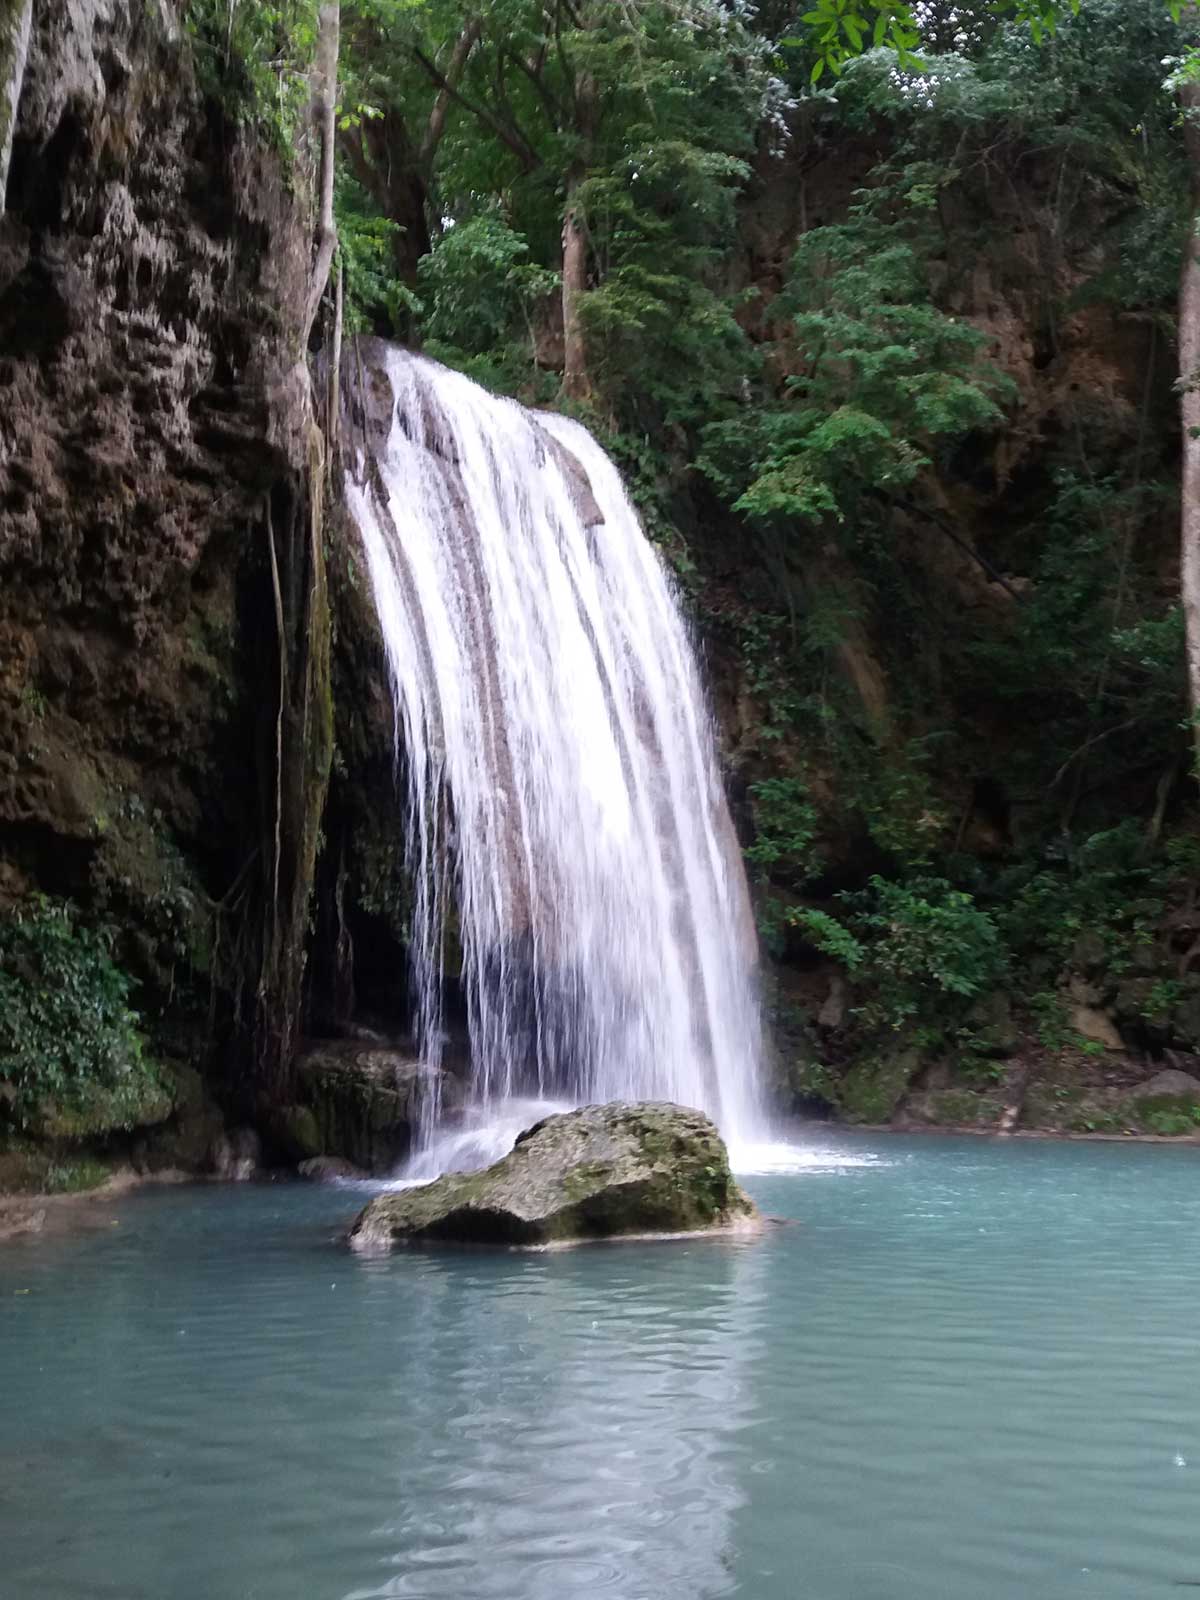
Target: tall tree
394	115
610	136
1188	86
839	30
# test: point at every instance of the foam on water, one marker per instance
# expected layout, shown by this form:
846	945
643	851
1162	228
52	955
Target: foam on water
485	1134
769	1158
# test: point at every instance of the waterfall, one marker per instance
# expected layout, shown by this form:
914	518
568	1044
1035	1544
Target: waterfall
564	803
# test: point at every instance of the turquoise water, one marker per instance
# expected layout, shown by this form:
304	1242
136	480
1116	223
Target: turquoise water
969	1372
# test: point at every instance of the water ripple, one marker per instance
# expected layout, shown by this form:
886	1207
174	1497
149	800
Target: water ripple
966	1374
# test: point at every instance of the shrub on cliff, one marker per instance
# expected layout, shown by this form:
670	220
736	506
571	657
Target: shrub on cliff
71	1055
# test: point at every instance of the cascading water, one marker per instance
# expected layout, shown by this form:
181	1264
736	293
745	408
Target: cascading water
563	797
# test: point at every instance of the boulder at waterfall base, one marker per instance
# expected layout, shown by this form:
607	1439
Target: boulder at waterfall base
364	1101
597	1173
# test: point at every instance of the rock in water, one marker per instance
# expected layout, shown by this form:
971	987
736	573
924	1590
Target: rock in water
595	1173
366	1101
329	1169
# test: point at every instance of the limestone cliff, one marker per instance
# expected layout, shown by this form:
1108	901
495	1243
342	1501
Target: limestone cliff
164	700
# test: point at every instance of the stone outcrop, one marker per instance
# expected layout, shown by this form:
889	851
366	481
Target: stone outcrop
329	1169
1170	1084
165	715
364	1101
599	1172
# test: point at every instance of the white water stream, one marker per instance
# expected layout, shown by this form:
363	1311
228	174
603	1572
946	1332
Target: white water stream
566	823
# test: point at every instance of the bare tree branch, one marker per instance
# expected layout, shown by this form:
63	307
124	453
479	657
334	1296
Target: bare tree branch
511	137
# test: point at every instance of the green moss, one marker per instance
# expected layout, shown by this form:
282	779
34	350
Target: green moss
1168	1115
963	1109
1095	1119
871	1089
74	1177
140	877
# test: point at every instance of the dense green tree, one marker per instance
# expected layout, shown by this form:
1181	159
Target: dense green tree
837	31
608	139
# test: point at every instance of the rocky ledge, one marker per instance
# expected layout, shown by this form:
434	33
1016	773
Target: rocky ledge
597	1173
357	1103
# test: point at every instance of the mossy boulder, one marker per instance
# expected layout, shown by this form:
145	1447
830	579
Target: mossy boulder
182	1142
366	1100
96	1110
870	1090
596	1173
1170	1084
295	1133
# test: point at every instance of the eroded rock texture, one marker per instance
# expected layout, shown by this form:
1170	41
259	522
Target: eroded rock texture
155	420
597	1173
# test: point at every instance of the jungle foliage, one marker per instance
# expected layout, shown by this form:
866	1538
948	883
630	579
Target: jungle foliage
831	284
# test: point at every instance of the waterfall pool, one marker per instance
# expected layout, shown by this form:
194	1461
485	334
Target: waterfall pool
967	1372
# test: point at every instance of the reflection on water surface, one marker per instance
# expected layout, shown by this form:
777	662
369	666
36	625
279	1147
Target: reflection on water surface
966	1374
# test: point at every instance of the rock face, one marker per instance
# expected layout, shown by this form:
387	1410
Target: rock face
156	425
364	1101
1097	1026
143	419
596	1173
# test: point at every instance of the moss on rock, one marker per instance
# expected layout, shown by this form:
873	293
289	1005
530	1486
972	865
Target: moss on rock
872	1088
599	1172
365	1101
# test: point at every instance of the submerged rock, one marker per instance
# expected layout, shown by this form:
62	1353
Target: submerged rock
595	1173
329	1169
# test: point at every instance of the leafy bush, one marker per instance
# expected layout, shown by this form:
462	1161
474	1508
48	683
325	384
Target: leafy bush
373	292
785	825
920	951
478	287
68	1036
884	374
1095	906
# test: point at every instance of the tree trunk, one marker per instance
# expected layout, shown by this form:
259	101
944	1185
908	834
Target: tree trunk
1189	406
576	382
382	157
16	18
325	120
